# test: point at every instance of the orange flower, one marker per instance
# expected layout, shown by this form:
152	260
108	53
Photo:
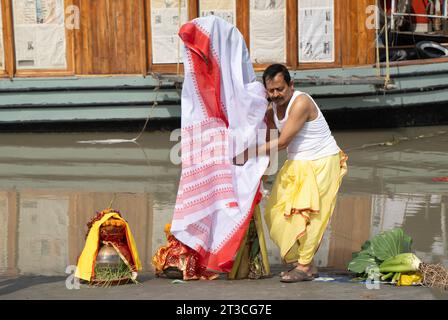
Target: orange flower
167	229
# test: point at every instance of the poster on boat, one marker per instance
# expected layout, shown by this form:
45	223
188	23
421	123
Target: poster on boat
316	31
39	34
224	9
165	26
2	51
267	40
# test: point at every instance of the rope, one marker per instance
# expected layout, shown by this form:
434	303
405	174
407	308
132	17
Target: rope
112	201
134	140
386	32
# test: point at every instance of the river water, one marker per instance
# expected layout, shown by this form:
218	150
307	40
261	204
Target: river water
51	185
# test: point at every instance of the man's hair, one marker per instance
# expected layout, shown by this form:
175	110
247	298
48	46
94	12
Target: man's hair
275	69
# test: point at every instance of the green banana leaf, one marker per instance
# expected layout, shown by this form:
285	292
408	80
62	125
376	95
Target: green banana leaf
361	262
390	243
381	247
365	248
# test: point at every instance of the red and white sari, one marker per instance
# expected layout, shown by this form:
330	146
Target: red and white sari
221	101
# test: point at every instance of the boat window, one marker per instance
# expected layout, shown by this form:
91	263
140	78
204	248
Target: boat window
165	24
316	37
268	40
224	9
39	33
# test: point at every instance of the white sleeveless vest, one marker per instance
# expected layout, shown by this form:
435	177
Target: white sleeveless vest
314	141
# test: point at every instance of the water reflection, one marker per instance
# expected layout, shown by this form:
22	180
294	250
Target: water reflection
50	187
44	231
358	218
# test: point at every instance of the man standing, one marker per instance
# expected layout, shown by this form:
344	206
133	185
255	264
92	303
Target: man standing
305	190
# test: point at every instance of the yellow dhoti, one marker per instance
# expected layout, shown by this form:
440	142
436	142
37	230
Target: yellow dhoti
301	204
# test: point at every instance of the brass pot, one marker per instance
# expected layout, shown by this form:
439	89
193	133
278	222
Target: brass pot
108	257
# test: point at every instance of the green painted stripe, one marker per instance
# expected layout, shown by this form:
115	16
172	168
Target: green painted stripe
89	97
90	113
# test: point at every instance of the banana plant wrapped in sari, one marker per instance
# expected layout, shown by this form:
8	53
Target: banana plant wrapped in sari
223	110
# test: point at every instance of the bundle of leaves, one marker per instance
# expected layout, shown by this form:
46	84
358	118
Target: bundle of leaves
388	255
106	276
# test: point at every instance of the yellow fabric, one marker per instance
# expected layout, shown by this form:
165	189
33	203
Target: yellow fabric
410	279
87	259
301	203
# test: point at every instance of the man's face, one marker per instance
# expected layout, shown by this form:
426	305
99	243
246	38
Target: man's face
279	91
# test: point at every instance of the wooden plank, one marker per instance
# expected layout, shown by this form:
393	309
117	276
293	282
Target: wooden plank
193	9
119	20
96	13
169	68
148	34
128	39
42	73
77	43
371	40
242	19
363	45
353	31
292	50
143	39
8	34
344	20
136	26
70	41
339	9
88	40
103	32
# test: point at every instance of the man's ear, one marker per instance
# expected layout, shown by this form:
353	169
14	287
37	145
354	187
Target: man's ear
291	84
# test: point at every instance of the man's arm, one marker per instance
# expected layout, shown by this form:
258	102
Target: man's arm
299	113
270	123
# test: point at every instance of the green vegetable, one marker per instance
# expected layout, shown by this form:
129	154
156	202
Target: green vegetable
382	247
396	277
387	276
390	243
362	261
390	254
405	262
